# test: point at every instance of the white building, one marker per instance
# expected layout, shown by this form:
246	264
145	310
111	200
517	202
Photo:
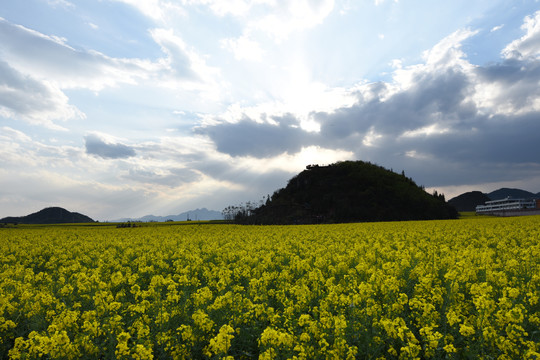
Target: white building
507	204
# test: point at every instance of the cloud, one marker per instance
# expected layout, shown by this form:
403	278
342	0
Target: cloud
150	175
529	44
239	8
244	48
248	137
62	3
8	134
166	176
509	87
179	62
445	120
37	102
157	10
380	2
267	18
49	58
98	200
292	16
96	145
36	69
448	52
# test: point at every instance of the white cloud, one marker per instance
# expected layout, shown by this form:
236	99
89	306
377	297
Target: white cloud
36	173
36	69
416	155
151	8
157	10
93	198
49	58
529	44
63	3
183	67
178	60
429	130
21	153
277	19
296	162
231	7
244	48
380	2
447	52
38	102
292	16
10	134
370	139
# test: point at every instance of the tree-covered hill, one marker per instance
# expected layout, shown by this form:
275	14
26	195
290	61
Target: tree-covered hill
349	191
51	215
469	200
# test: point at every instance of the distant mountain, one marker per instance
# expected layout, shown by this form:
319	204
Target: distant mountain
513	193
197	214
348	191
51	215
469	200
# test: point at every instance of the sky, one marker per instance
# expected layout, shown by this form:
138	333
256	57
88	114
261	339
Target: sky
124	108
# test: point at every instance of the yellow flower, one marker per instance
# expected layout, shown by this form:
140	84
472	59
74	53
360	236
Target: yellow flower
466	330
220	344
142	353
122	348
450	348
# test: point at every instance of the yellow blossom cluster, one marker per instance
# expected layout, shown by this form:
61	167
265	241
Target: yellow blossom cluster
401	290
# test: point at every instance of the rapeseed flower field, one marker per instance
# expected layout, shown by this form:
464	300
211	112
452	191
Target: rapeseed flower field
452	289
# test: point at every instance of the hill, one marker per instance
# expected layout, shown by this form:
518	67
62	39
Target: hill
51	215
349	191
469	200
512	193
197	214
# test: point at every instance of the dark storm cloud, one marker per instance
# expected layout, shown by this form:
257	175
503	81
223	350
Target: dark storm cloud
249	138
97	146
437	97
504	139
440	94
467	144
518	79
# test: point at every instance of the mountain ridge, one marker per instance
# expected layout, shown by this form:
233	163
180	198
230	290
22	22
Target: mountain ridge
202	214
512	193
469	200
